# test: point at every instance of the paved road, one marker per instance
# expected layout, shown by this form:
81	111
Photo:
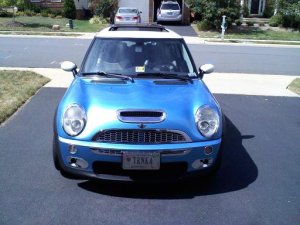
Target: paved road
258	182
49	52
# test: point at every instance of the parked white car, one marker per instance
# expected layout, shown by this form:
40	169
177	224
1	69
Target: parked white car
169	11
127	15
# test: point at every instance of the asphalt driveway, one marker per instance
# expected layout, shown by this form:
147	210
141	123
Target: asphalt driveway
183	30
258	182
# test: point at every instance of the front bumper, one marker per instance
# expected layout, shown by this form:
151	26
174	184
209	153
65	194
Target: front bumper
104	161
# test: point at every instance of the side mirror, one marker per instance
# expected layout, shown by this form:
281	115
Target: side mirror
69	67
206	69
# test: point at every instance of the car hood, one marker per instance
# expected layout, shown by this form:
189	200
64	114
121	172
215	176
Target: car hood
102	100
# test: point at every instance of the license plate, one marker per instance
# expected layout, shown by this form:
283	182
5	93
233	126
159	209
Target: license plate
127	18
141	160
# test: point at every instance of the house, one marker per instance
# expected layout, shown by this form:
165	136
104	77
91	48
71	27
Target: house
81	5
256	7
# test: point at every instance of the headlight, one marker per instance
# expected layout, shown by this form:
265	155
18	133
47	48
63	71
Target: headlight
74	120
207	121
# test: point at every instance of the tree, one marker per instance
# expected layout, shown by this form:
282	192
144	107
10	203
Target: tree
70	9
8	3
211	11
105	7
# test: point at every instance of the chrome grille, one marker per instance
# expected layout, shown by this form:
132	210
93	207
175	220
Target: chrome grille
141	136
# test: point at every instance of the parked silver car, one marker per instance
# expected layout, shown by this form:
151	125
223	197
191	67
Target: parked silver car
169	11
127	15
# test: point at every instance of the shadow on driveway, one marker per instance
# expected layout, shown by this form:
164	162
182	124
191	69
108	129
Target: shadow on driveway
237	171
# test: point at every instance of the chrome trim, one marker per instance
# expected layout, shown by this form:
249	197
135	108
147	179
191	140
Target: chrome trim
163	153
154	147
141	119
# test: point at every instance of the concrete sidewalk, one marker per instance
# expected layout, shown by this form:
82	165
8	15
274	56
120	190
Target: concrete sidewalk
220	83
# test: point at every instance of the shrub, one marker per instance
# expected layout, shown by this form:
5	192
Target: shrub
69	9
290	12
24	5
58	17
95	20
250	23
269	11
20	13
291	16
276	20
5	14
204	25
51	15
105	8
213	11
57	12
28	12
246	12
44	13
238	22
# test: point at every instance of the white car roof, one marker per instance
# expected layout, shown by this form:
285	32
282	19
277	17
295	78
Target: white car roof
111	33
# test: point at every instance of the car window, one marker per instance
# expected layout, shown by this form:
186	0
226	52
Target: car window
170	6
128	11
132	56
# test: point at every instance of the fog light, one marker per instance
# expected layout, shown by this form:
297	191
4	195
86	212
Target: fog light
208	150
72	149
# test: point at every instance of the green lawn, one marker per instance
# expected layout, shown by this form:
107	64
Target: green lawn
15	88
44	24
295	86
251	33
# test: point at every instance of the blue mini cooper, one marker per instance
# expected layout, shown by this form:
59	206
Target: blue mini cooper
137	110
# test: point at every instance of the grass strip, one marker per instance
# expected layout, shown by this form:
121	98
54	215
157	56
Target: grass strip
295	86
16	87
251	33
44	24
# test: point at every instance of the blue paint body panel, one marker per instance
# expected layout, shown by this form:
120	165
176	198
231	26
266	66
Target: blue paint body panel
101	102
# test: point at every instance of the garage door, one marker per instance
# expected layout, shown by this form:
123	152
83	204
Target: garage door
142	5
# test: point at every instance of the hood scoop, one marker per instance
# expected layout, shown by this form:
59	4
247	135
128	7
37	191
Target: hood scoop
141	116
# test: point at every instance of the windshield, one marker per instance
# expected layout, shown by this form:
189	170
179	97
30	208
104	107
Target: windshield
170	6
128	11
135	56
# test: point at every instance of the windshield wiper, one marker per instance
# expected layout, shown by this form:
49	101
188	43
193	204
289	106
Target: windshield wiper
166	75
115	75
